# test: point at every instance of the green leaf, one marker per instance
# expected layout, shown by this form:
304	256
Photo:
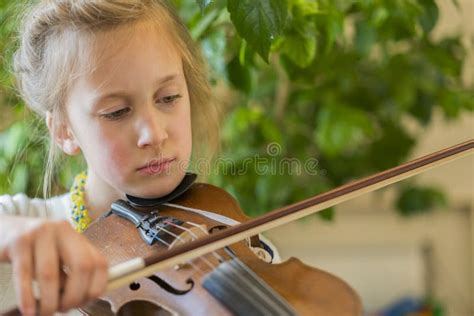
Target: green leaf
239	75
300	43
258	22
16	138
203	4
423	108
213	47
302	8
270	131
430	15
365	37
447	56
340	127
379	16
391	148
3	165
203	24
19	179
452	102
334	29
327	214
415	200
243	52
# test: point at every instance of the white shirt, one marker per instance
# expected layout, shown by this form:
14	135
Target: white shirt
58	207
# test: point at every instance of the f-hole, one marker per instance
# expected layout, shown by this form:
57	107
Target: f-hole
166	286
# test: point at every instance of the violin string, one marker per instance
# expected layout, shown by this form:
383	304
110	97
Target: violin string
240	269
216	254
218	217
219	258
211	215
241	272
194	236
246	280
169	245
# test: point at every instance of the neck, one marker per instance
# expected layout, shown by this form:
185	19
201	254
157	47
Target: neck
99	195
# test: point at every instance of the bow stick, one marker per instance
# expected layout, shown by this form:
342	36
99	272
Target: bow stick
131	270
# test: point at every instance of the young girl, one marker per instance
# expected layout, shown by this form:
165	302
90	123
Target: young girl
122	83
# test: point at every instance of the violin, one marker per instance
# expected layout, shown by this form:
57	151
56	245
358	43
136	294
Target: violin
232	280
169	257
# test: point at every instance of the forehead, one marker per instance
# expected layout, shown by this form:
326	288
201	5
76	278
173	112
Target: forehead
139	49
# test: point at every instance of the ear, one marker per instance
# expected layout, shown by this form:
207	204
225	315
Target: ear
62	135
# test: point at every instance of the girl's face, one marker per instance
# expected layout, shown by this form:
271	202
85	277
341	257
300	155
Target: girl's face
130	115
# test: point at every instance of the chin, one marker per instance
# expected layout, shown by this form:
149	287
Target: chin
158	187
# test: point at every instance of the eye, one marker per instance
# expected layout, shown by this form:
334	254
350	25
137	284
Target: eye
169	99
116	114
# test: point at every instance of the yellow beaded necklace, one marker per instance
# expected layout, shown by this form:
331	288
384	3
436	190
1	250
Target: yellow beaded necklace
80	215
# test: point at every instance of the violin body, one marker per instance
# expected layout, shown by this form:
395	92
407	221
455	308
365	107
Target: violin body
180	290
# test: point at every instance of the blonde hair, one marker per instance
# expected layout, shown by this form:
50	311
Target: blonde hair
45	70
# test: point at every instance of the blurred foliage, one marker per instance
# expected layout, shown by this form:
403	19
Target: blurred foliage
414	200
320	81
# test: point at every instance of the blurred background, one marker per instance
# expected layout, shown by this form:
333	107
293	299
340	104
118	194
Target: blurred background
332	91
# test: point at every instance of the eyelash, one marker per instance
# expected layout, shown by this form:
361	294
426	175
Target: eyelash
172	98
116	115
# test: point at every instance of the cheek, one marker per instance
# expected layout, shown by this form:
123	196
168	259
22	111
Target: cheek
107	153
116	155
182	131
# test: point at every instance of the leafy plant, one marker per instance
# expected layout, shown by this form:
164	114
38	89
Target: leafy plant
320	92
328	80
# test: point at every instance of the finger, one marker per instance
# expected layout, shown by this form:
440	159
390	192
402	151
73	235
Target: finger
21	255
76	257
77	284
47	270
100	275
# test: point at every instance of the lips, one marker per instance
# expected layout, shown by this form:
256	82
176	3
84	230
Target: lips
156	165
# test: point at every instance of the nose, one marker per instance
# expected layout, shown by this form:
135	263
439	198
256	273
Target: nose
152	129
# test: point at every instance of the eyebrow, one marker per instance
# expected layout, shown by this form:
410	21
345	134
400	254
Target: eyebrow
158	82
